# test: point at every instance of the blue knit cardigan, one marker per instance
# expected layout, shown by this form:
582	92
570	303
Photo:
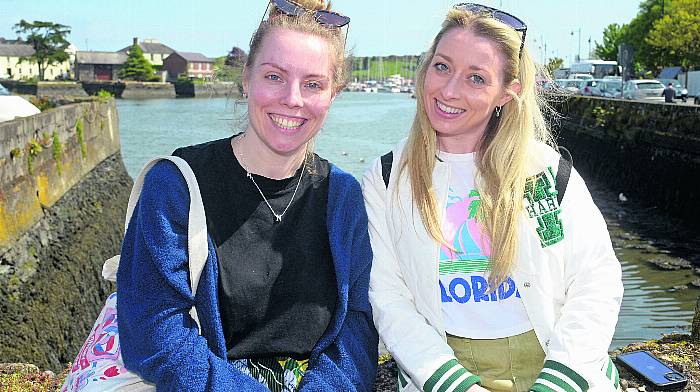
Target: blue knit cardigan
159	339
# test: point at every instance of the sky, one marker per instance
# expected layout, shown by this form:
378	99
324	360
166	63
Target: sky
378	27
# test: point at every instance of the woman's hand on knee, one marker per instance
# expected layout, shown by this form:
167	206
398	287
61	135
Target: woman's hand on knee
477	388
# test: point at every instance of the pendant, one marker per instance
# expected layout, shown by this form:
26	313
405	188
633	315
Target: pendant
278	218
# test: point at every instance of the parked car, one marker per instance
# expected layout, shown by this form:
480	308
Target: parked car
643	89
587	87
570	85
3	90
607	87
681	92
581	76
611	88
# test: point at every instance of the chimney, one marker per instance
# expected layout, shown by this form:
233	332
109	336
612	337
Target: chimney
136	40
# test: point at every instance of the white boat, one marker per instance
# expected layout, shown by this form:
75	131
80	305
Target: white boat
354	86
371	86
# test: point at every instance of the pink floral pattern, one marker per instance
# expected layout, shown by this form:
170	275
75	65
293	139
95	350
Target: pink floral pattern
99	365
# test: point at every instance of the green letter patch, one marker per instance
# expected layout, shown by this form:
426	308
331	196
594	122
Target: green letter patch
541	204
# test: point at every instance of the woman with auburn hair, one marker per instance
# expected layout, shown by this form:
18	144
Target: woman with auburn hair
282	301
486	275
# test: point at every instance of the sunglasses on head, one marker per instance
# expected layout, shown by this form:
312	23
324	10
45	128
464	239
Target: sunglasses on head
324	17
503	17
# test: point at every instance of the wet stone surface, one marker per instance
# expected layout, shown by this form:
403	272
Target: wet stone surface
650	235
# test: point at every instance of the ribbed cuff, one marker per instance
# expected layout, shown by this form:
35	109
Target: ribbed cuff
557	377
612	374
450	374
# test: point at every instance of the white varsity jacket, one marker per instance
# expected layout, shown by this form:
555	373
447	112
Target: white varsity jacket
566	272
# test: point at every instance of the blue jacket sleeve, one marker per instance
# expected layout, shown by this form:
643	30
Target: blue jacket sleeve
159	340
349	363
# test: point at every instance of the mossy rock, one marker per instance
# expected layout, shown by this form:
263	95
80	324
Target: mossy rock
678	351
25	377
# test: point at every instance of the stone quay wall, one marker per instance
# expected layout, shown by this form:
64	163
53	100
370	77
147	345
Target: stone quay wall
60	89
126	90
146	90
115	88
650	152
217	89
45	89
131	90
63	196
207	90
19	87
43	156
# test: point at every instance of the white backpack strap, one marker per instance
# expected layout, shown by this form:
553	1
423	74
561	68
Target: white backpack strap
109	269
197	228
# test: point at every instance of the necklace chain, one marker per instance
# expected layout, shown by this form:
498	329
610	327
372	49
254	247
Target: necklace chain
278	217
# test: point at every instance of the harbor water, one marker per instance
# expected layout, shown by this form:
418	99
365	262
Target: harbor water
363	126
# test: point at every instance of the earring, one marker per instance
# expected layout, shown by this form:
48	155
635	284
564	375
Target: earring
498	111
245	95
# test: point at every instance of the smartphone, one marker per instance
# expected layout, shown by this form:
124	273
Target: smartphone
654	372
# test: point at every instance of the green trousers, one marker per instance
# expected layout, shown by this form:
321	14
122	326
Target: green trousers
509	364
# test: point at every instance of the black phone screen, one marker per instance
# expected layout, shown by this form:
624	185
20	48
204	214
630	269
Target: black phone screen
651	368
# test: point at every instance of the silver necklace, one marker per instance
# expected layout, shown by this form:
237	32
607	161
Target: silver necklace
278	217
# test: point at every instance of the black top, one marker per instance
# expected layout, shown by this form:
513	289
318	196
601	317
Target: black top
277	287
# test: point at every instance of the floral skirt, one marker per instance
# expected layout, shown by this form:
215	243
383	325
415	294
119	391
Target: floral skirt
278	374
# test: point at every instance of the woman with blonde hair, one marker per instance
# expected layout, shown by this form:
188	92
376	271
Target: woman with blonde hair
282	301
486	274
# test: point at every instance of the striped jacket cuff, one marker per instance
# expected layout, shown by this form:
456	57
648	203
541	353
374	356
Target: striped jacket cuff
611	373
450	376
557	377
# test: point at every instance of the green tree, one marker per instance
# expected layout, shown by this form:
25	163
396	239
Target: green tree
236	58
612	38
636	32
48	40
230	67
136	66
676	36
553	64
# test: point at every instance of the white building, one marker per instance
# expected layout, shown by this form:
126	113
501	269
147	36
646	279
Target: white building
11	68
154	51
